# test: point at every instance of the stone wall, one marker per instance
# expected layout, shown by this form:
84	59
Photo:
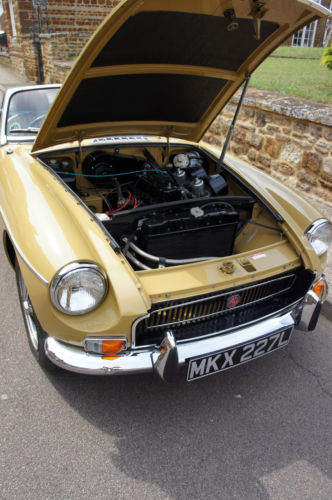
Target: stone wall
68	24
60	15
78	16
5	60
56	52
63	45
289	138
65	28
23	57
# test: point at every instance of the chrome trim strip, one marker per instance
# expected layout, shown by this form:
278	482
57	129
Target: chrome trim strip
218	313
243	335
121	139
76	360
145	316
20	253
133	329
227	292
278	313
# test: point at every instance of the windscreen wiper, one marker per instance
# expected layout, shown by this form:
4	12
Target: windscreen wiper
29	130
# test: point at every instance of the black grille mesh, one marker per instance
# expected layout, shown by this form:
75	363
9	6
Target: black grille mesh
206	314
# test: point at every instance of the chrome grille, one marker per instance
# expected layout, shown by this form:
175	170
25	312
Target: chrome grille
208	307
205	314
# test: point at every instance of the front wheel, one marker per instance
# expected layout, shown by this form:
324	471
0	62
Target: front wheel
35	333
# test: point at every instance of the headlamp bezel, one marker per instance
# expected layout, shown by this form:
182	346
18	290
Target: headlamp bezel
310	233
73	268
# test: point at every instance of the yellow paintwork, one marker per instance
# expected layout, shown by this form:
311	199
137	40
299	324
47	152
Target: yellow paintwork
50	228
198	278
289	15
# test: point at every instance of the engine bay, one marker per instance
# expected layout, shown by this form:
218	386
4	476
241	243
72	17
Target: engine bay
164	207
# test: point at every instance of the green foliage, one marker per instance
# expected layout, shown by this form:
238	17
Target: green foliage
295	71
327	57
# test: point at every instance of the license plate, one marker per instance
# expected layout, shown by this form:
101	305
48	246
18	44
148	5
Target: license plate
223	360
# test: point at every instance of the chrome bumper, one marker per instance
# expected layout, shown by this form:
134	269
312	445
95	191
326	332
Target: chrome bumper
310	311
165	360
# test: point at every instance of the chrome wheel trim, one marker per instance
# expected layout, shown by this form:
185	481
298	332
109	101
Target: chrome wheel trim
28	313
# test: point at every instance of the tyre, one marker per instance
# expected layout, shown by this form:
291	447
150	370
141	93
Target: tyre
35	333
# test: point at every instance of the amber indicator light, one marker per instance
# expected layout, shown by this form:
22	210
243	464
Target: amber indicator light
112	347
319	287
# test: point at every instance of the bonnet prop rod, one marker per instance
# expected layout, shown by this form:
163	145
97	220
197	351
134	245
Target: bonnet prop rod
275	215
231	128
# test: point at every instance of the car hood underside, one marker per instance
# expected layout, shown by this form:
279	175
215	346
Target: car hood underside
168	67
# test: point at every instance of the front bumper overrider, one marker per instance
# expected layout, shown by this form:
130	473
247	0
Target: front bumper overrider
170	356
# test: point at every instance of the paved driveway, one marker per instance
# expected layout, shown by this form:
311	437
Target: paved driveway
261	431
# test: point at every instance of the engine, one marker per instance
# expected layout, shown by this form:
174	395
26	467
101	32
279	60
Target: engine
184	177
162	216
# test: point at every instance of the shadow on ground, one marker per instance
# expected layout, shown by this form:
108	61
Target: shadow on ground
228	436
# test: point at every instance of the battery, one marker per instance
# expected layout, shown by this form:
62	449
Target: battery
190	232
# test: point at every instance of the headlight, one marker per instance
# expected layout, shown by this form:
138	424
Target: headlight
320	235
78	288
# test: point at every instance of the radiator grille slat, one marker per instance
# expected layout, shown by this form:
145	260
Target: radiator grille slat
190	317
211	306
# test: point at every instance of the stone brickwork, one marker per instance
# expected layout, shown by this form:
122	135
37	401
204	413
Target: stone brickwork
71	24
289	138
65	28
63	46
23	57
5	60
56	57
321	26
68	24
62	15
79	16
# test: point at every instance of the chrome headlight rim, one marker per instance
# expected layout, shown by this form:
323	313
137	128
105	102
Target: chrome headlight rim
313	228
70	269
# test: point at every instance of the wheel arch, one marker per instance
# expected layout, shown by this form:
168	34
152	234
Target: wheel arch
9	248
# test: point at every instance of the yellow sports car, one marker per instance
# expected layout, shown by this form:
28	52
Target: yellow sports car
137	247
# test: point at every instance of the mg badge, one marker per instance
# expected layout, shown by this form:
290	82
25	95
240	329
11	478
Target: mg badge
233	301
